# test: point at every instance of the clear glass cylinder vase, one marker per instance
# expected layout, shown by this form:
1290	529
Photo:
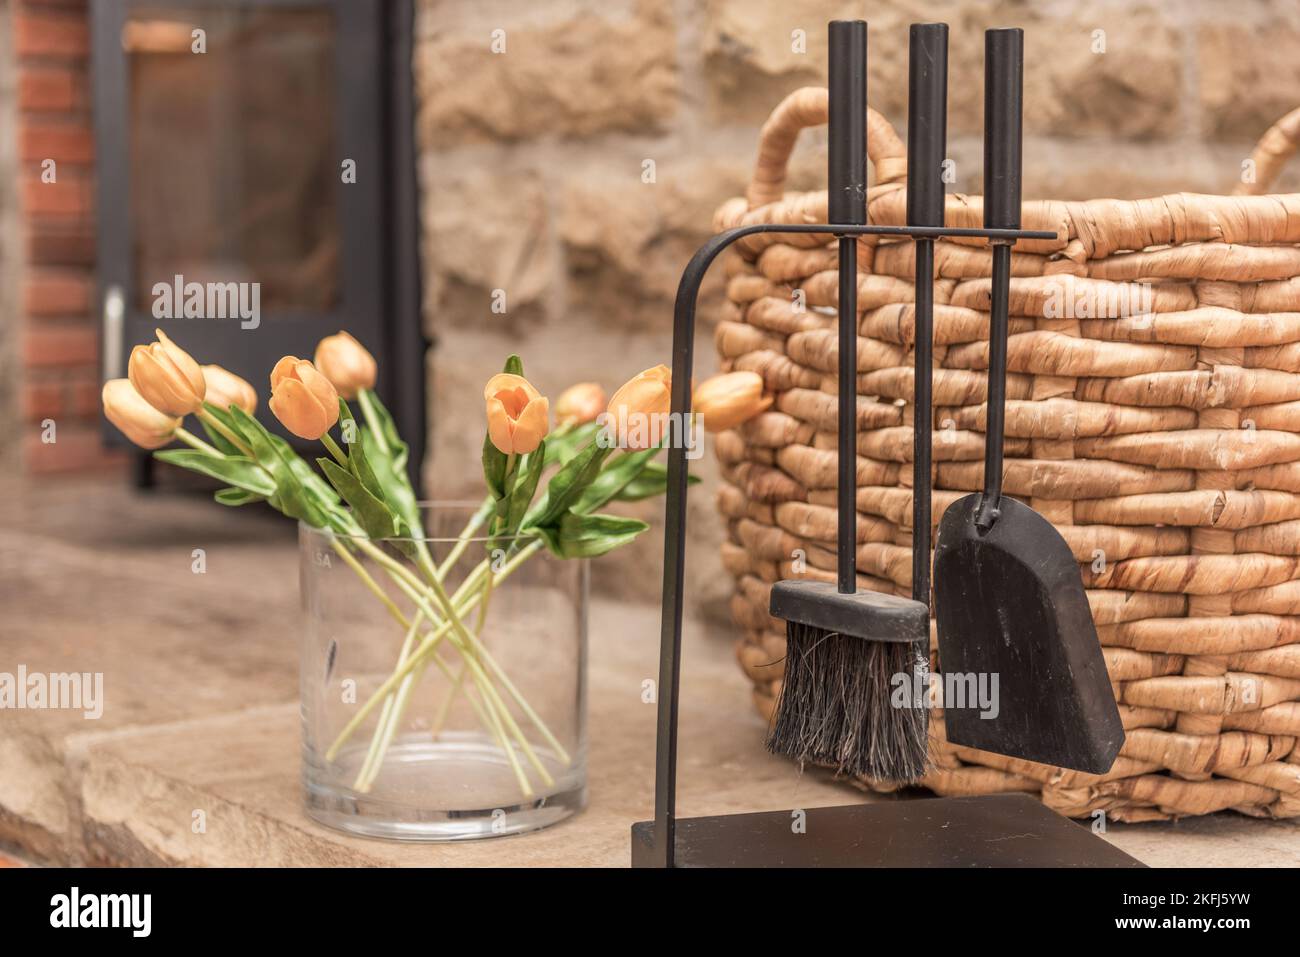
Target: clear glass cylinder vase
443	682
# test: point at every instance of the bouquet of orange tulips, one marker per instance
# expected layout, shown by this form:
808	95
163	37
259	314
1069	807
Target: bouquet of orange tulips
545	490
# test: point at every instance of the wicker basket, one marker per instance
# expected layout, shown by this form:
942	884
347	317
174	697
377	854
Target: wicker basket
1152	415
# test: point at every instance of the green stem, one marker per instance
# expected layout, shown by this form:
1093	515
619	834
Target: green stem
462	540
364	775
214	423
443	710
464	641
475	643
194	442
427	646
499	732
327	440
425	650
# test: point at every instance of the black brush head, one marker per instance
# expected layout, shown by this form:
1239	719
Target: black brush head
848	699
872	615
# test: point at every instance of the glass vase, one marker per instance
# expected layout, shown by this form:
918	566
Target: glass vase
447	711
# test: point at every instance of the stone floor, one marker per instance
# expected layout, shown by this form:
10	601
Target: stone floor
201	713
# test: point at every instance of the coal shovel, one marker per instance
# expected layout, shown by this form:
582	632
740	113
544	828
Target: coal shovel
1022	667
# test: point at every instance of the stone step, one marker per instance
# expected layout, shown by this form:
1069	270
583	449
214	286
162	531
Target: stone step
200	686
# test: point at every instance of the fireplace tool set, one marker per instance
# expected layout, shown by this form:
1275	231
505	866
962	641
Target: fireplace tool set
1009	599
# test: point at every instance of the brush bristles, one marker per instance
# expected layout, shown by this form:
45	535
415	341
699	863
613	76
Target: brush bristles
836	706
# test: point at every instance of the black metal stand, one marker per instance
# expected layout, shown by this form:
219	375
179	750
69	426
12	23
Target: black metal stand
1002	830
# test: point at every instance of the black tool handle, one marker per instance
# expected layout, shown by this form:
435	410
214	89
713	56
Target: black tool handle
1003	87
927	122
1004	69
927	127
847	161
847	205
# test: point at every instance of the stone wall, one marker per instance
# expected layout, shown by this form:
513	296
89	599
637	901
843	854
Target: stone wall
572	154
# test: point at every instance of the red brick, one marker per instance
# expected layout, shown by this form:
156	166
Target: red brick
45	345
42	400
77	448
49	245
47	293
52	33
64	142
50	90
69	196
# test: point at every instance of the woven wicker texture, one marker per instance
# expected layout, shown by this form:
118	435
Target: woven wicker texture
1152	416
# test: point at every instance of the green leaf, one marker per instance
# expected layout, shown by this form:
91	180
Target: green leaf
612	479
358	462
359	465
652	481
348	425
494	468
561	447
391	479
528	474
378	459
375	517
587	536
238	470
566	486
378	415
237	496
514	365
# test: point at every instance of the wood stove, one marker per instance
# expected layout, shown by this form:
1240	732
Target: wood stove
256	186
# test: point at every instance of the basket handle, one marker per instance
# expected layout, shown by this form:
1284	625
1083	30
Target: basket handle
807	107
1271	152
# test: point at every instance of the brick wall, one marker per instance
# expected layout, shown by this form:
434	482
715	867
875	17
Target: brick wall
9	246
57	344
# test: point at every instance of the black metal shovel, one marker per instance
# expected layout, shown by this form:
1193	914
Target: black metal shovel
1016	638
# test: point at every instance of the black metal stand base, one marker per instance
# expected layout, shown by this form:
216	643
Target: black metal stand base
997	830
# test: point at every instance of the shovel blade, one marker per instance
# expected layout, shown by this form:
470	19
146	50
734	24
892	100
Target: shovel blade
1016	636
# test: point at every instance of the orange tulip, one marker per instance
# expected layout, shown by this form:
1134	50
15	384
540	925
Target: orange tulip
638	406
137	419
518	416
302	399
226	389
729	399
167	377
579	404
346	363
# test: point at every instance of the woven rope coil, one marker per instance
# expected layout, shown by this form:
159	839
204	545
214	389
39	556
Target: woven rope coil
1153	416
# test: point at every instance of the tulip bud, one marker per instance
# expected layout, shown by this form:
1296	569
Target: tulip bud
302	399
346	363
137	419
729	399
226	389
167	377
579	404
635	411
518	416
